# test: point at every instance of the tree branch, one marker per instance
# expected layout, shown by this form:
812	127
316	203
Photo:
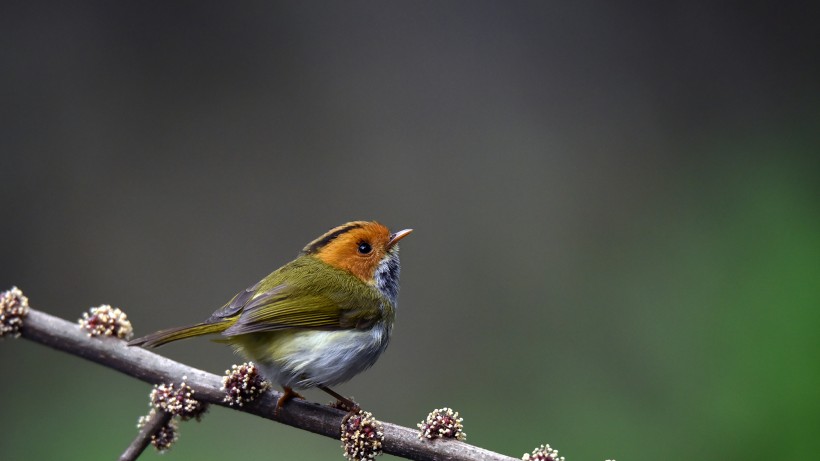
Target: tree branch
154	421
156	369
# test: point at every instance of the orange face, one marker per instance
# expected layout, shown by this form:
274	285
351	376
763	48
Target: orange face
357	247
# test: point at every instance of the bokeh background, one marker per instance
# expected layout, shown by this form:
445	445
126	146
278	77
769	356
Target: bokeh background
617	246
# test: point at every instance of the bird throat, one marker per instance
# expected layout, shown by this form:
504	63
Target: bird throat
387	275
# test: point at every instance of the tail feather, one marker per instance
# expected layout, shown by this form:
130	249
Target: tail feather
174	334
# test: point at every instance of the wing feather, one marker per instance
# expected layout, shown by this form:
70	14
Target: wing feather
290	298
284	307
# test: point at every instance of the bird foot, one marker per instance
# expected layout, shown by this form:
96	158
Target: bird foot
351	412
342	403
287	395
346	405
352	408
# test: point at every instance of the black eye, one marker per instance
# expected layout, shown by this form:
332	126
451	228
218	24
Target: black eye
364	248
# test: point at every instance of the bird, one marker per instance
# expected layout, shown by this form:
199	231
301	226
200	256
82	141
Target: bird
317	321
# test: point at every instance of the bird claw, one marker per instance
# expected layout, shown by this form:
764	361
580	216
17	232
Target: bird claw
346	405
352	408
283	399
351	412
342	403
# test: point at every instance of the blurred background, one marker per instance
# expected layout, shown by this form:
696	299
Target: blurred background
617	246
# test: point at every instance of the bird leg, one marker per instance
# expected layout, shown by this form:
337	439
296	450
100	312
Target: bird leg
343	403
287	395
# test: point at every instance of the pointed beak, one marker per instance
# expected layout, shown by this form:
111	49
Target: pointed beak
394	239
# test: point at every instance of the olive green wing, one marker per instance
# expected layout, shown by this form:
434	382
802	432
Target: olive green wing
305	293
285	307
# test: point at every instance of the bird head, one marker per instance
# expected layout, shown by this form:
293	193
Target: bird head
366	249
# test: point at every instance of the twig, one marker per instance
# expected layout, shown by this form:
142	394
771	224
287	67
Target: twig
155	369
156	420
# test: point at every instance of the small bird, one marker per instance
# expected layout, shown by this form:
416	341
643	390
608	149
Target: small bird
318	320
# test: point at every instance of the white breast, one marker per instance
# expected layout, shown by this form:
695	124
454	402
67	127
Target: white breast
313	357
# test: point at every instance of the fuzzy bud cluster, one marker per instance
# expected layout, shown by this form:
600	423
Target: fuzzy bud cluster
107	321
362	436
165	436
178	400
242	384
543	453
442	423
13	308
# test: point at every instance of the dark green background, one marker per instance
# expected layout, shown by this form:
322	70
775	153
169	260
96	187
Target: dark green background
617	246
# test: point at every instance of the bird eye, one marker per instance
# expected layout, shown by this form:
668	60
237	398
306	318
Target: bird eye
364	248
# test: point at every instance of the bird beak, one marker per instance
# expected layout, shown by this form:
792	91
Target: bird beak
394	239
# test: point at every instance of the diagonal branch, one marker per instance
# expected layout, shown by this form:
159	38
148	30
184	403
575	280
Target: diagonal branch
153	423
155	369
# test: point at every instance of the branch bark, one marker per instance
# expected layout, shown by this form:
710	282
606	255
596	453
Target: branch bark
156	369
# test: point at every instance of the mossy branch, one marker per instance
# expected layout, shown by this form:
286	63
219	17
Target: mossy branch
156	369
